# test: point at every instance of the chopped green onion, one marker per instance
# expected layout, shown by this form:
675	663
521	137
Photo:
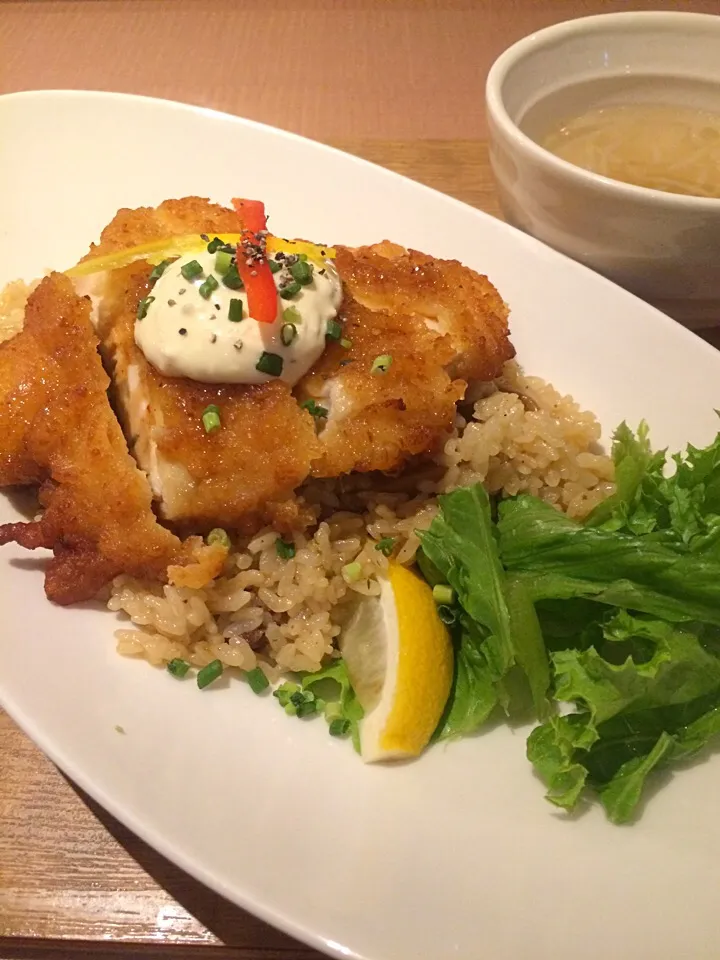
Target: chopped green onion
288	332
305	709
235	310
442	593
284	549
302	272
270	363
158	270
298	698
191	270
447	614
232	278
207	287
333	711
386	546
257	680
223	262
211	418
352	571
302	256
339	727
178	668
288	291
209	673
346	343
143	307
284	692
381	364
291	709
275	267
218	536
314	409
214	245
292	315
333	331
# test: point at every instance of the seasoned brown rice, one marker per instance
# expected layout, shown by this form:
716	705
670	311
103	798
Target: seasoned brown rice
518	435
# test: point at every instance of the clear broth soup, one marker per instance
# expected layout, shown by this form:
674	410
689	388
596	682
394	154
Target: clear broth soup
662	133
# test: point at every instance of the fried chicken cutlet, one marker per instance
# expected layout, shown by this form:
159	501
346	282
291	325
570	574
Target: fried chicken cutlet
239	476
439	323
418	329
57	430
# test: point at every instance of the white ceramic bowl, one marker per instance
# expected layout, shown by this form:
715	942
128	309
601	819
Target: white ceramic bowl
664	247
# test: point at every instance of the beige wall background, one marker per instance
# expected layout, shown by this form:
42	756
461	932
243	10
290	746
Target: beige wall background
328	69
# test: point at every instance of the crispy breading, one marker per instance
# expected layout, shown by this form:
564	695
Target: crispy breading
57	429
240	476
439	322
172	218
450	297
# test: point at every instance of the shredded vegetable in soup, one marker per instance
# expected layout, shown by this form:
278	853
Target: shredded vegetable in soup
667	147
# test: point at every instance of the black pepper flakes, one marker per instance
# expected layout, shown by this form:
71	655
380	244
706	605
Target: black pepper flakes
213	338
182	331
205	237
181	291
171	303
238	344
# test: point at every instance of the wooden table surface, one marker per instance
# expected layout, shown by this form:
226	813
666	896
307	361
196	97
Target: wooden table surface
399	83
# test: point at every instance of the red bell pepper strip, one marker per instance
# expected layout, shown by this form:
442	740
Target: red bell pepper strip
252	264
259	284
252	214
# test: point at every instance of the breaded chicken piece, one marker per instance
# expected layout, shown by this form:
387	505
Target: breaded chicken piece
238	477
440	323
57	429
172	218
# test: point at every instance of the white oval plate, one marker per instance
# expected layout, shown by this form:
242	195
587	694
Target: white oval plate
456	856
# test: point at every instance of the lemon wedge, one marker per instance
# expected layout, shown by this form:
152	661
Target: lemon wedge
159	250
399	659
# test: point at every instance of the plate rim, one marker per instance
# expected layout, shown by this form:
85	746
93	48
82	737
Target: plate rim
240	894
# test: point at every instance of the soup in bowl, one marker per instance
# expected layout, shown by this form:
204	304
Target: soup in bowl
605	143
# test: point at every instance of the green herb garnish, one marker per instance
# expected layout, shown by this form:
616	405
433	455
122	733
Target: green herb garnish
270	363
178	668
302	272
285	549
208	287
314	409
211	418
333	331
159	269
218	536
385	546
223	262
288	332
232	279
289	290
143	307
235	310
209	674
191	270
381	364
257	680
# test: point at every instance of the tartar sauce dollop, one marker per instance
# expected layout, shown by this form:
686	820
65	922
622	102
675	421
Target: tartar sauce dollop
193	325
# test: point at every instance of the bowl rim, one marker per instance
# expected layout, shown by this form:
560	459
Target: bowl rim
495	105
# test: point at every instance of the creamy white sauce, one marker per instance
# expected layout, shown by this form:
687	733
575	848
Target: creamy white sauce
214	349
